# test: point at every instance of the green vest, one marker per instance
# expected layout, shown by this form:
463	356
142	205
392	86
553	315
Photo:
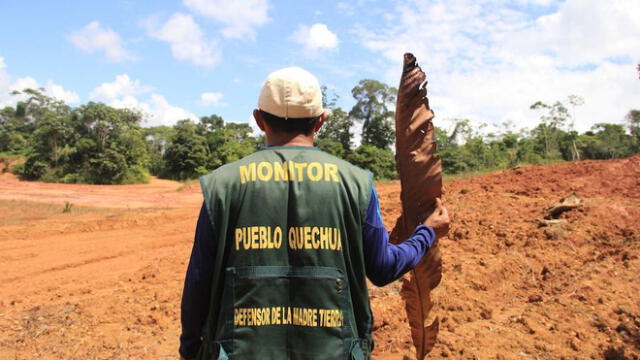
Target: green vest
289	277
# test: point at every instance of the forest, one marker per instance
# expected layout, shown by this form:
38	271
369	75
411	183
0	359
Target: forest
98	144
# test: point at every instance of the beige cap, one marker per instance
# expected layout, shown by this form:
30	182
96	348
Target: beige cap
291	93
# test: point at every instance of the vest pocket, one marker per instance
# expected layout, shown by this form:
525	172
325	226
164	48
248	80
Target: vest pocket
287	312
356	352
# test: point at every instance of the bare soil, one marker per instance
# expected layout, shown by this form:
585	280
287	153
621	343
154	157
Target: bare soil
104	280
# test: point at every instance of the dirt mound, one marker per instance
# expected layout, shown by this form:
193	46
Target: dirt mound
513	289
105	283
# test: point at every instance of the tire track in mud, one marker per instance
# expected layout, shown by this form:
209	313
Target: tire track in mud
90	261
91	246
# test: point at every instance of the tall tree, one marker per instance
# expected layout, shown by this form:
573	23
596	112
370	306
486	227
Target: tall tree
158	138
187	154
633	120
574	100
13	132
212	122
337	128
373	100
228	143
550	129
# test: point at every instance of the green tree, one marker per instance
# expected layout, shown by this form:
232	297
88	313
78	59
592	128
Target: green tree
227	142
94	143
337	128
633	123
158	138
574	100
212	122
13	134
373	99
549	131
329	101
380	162
331	146
607	141
114	150
187	154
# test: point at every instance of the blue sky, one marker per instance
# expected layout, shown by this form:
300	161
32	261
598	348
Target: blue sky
486	60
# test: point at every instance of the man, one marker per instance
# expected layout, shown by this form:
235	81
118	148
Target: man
284	243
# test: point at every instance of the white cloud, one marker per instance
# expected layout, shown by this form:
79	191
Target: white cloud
58	92
314	38
22	83
163	113
9	84
212	99
50	89
240	18
188	41
496	97
488	62
5	83
121	87
94	38
124	92
583	32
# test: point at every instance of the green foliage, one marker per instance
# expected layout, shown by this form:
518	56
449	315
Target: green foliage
332	147
94	143
195	149
229	142
12	142
373	99
98	144
158	138
337	128
380	162
549	132
33	169
606	141
633	120
187	153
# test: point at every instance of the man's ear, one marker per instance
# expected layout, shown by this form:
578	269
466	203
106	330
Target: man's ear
320	122
259	119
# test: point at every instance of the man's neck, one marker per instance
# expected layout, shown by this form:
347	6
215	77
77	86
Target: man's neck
297	140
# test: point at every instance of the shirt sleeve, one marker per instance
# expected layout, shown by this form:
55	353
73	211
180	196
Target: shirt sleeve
197	286
386	262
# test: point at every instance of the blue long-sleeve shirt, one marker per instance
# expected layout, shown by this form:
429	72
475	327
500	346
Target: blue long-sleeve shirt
384	263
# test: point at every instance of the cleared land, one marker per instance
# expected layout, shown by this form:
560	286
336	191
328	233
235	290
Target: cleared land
104	280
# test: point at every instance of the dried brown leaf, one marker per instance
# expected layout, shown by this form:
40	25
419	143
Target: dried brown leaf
420	172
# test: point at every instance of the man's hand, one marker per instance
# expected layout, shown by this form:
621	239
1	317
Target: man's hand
439	219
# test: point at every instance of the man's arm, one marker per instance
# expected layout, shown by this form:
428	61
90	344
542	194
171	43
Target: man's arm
197	286
386	262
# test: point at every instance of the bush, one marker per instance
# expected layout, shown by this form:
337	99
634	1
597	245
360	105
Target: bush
332	147
380	162
32	169
72	179
136	175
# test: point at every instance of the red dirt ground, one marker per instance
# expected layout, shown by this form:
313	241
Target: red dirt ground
104	280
